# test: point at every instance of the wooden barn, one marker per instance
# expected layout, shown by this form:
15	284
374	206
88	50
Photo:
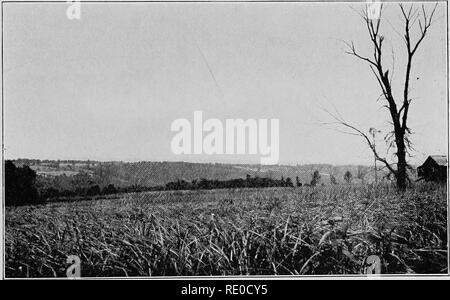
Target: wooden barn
434	169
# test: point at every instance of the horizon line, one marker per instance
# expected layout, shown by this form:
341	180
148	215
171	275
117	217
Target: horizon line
200	162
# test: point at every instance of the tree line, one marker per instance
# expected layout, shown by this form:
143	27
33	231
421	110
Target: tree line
22	187
248	182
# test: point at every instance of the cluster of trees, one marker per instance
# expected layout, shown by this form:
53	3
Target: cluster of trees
24	187
348	177
20	185
197	184
248	182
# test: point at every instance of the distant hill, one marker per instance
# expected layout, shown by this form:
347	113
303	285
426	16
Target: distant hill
159	173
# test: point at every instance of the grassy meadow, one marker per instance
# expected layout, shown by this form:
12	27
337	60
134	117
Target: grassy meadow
272	231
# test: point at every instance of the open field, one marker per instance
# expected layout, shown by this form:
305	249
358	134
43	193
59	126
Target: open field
282	231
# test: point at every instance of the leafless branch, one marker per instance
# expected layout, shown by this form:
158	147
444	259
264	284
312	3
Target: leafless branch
358	132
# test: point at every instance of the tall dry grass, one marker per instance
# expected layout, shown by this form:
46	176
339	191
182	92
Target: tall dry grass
290	231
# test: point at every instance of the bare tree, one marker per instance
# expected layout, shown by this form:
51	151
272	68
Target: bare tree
421	20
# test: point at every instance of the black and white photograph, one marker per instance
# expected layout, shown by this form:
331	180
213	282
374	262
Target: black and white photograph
224	139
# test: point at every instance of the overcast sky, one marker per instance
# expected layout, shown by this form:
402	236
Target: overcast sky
108	86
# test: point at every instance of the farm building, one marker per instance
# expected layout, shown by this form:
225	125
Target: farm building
434	168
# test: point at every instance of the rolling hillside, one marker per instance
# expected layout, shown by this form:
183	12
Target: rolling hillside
159	173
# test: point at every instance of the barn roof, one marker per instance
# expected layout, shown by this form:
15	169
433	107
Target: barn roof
440	159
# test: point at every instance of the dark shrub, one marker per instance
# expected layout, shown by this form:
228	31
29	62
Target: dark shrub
20	186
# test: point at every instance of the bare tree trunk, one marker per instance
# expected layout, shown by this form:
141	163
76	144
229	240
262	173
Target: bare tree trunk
399	116
401	164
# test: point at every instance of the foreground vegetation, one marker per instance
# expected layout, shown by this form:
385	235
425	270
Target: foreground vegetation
272	231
